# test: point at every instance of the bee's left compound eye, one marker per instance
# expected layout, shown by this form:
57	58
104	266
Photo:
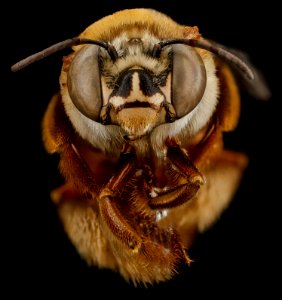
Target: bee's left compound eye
188	79
84	82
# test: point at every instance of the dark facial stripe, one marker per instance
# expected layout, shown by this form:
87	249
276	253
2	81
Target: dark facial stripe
146	84
124	84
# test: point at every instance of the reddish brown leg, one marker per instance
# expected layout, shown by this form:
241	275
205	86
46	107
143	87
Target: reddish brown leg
116	222
189	182
108	205
107	200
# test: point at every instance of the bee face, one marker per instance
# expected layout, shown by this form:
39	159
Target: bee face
136	87
137	92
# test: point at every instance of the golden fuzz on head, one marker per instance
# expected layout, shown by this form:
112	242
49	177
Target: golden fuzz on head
157	23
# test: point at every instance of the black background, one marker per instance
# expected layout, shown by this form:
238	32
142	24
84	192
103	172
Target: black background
239	254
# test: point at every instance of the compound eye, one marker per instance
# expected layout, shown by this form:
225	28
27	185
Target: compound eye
84	82
188	79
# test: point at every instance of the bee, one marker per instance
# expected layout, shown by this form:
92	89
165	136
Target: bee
138	124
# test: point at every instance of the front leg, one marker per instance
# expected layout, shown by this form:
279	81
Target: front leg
107	196
183	171
108	205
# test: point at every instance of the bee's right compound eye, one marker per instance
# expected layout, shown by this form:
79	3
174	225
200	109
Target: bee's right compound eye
84	82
